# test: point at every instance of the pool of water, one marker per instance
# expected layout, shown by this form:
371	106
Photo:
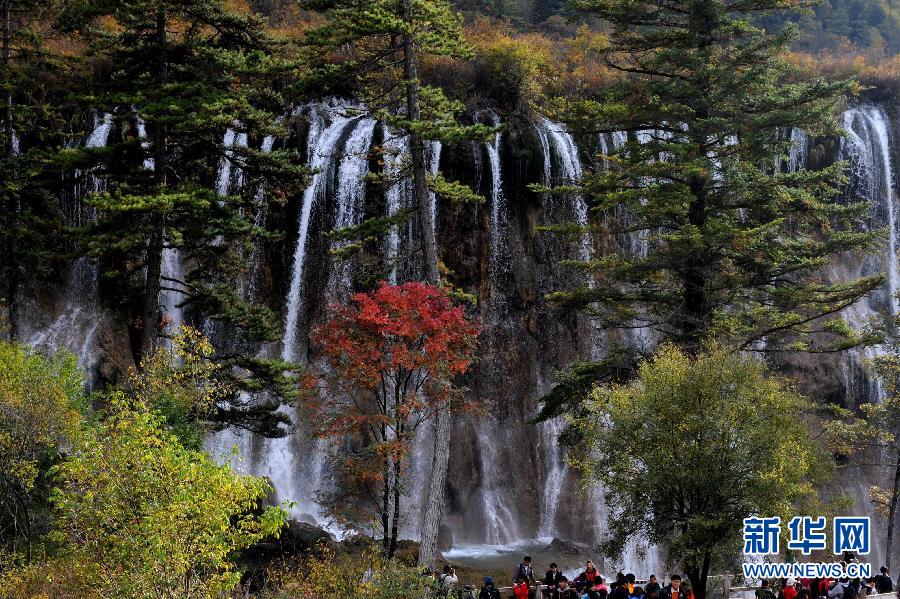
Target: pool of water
505	558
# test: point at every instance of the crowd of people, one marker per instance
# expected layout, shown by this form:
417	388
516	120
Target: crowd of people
587	585
591	585
826	588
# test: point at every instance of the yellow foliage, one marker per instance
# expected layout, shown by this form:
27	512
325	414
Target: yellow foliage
365	576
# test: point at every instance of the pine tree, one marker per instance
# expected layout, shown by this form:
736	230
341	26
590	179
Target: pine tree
189	70
376	47
33	91
735	246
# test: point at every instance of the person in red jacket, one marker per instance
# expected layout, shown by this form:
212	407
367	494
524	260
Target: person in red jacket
790	589
520	589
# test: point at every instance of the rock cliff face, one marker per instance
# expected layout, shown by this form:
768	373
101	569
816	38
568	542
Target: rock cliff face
508	479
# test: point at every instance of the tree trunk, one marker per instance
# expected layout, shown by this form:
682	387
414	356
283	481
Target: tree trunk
385	498
434	506
699	576
13	208
153	281
892	513
395	525
434	497
417	153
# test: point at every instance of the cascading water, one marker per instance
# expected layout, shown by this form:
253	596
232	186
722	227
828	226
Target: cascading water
326	126
557	137
434	164
79	316
145	145
499	220
337	149
350	195
397	147
230	177
868	147
296	464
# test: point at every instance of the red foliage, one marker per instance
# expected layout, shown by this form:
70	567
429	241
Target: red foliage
408	337
391	358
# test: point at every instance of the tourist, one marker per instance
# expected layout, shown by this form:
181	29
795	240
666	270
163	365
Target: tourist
652	588
592	591
563	591
673	589
589	574
819	587
837	588
489	591
597	590
524	571
867	587
448	580
686	588
789	591
551	579
520	588
620	588
765	591
883	582
633	589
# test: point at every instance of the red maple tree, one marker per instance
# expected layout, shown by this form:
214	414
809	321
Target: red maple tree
392	355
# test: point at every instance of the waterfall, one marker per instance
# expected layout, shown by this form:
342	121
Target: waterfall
338	146
433	157
142	136
350	195
868	147
78	214
397	146
173	277
295	464
327	124
227	171
499	513
79	315
558	470
798	152
499	219
557	137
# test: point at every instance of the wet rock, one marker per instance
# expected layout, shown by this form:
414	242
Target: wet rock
115	357
296	539
566	547
302	537
445	538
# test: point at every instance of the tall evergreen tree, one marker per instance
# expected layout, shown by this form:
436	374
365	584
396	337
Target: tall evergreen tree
376	47
190	70
736	247
33	96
